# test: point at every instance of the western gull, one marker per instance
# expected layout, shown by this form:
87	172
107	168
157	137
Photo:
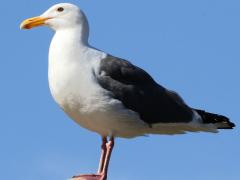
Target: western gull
109	95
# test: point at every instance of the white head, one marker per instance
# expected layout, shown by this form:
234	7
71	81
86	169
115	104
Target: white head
58	17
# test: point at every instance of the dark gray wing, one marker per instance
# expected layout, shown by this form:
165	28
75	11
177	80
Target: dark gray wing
139	92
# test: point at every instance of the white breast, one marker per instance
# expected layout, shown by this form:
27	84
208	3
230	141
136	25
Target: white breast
71	68
74	87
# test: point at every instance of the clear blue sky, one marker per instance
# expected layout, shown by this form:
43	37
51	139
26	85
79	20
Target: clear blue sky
192	47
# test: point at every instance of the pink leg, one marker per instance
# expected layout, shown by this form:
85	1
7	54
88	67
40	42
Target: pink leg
103	154
110	146
107	148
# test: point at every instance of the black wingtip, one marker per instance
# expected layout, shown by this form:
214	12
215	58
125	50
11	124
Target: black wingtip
222	122
225	121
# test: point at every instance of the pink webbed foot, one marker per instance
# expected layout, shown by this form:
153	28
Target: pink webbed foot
90	177
107	147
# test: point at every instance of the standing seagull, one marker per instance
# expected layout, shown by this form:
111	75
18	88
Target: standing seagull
109	95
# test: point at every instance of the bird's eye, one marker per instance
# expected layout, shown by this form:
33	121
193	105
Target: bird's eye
60	9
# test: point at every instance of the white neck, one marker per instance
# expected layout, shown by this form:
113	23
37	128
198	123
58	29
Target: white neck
74	39
74	35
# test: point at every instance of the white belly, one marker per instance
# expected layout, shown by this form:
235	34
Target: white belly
108	118
92	108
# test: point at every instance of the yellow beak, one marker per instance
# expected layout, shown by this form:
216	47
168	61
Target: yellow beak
33	22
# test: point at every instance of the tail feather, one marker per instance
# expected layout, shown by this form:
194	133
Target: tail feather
220	121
